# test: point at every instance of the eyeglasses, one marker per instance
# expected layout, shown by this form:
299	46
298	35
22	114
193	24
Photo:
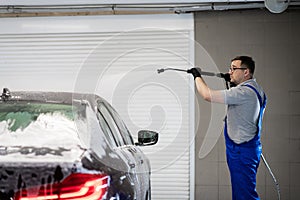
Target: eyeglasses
234	68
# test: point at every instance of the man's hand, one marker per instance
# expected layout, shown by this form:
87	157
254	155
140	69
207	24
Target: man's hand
196	72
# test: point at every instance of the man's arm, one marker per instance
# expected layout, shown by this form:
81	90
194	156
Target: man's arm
216	96
208	94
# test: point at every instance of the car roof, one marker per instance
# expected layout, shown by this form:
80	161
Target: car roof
50	97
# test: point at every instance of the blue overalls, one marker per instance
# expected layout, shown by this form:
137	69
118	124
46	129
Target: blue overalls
243	159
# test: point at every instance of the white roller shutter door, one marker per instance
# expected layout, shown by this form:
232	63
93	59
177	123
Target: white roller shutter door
116	57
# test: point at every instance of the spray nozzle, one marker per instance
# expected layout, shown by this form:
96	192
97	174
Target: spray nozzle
160	70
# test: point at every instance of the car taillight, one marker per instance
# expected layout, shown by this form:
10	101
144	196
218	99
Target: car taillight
74	187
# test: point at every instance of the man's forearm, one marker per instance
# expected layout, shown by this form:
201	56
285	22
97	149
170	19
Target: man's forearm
208	94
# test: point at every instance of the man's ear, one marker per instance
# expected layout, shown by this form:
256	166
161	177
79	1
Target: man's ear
247	72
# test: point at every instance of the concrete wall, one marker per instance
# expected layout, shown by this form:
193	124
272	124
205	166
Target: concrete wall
273	40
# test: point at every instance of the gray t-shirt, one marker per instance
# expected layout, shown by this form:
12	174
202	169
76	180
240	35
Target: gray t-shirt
243	111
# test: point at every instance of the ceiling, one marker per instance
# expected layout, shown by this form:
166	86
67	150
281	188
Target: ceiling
113	7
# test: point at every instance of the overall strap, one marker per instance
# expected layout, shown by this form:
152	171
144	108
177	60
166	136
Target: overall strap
262	102
254	141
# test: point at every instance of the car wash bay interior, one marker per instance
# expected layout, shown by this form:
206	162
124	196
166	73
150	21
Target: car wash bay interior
59	53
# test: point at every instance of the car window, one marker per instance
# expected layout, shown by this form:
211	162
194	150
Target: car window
37	124
111	125
106	129
116	125
123	128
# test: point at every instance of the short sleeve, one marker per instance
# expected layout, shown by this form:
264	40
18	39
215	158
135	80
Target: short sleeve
237	95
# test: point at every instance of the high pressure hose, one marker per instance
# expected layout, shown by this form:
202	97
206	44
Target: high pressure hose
226	77
271	173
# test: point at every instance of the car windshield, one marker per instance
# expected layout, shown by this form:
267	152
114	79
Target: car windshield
37	125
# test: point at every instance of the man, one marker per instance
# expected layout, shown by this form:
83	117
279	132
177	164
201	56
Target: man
246	103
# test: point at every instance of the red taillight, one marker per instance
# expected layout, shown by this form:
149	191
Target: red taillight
74	187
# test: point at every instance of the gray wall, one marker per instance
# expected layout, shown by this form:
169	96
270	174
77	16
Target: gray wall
273	40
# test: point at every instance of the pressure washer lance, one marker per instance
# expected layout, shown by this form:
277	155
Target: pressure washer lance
227	79
220	75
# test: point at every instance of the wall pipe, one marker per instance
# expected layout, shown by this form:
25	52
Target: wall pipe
204	5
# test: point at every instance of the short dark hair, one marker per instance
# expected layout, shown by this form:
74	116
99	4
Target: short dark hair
247	62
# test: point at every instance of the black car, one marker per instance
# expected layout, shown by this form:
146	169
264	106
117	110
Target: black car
69	146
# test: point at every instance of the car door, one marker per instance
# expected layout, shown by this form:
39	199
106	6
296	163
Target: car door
123	146
142	163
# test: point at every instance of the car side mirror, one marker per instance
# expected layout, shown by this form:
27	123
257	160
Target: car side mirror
146	138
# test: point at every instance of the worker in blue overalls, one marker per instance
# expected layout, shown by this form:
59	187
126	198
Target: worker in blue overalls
246	103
